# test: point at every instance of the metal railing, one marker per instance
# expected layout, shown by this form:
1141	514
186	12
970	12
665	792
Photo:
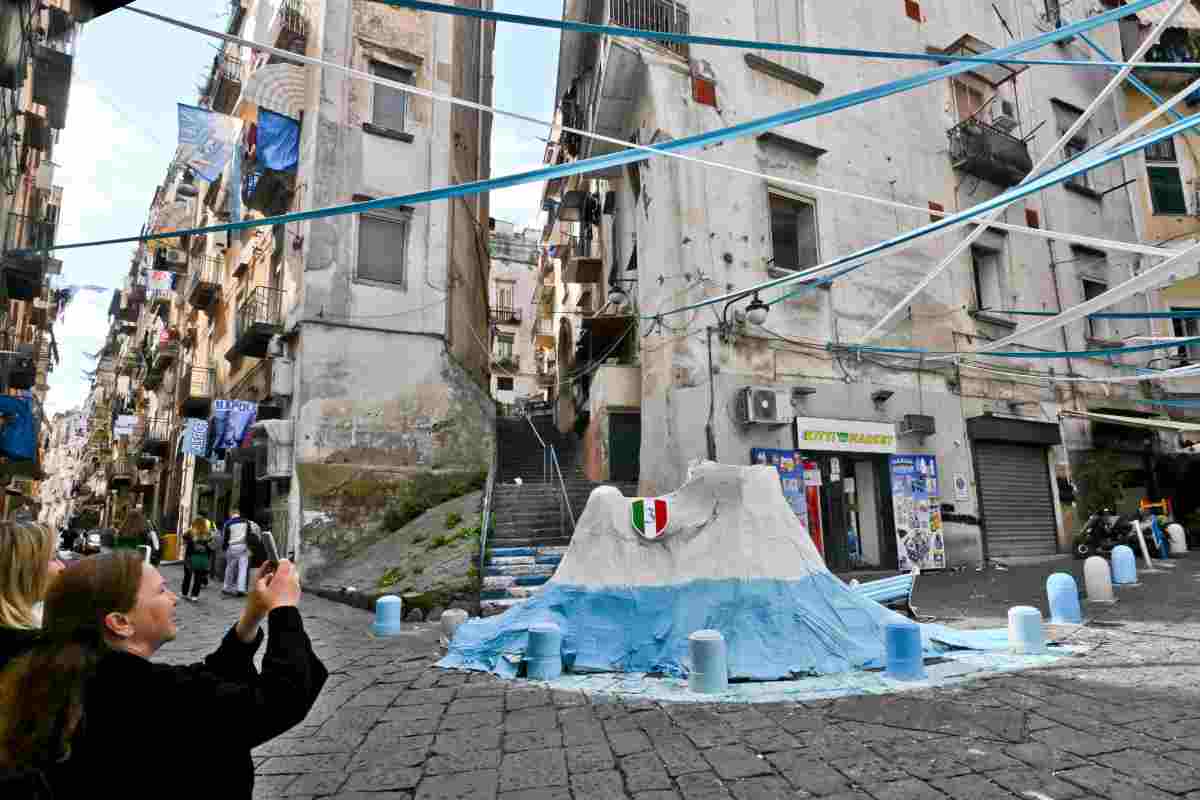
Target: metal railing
25	232
550	471
486	522
263	306
989	153
663	16
200	382
293	24
506	315
205	270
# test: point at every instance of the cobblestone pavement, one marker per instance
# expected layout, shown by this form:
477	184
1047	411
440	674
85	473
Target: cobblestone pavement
1119	721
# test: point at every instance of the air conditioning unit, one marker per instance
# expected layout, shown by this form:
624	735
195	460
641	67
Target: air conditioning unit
763	405
917	425
176	259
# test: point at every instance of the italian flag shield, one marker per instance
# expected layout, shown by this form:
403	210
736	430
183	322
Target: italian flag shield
649	516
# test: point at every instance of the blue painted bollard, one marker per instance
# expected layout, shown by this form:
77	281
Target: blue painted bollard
543	655
710	664
905	661
1124	565
1063	596
389	613
1025	635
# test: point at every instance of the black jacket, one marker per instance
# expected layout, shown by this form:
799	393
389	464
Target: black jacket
230	709
14	641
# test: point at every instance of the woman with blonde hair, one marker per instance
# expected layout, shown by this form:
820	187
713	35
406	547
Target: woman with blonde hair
198	551
28	562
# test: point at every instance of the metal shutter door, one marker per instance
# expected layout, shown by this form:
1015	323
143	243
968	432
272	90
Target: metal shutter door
1018	508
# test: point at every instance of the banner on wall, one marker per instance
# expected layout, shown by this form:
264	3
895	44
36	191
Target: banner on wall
790	466
812	497
231	423
916	503
195	437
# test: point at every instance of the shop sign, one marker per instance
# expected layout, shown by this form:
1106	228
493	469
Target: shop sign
845	435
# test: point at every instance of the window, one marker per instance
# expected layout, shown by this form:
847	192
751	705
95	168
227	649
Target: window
1053	13
504	347
793	232
1096	328
504	295
383	247
390	107
967	100
1166	185
1187	327
1066	117
504	384
987	269
780	21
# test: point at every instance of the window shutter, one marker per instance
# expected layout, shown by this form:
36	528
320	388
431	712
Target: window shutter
912	10
1166	190
1032	218
704	92
935	207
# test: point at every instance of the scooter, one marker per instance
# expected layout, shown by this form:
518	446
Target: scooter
1103	531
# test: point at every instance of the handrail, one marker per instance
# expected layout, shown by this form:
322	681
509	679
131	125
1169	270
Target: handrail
542	442
562	484
487	510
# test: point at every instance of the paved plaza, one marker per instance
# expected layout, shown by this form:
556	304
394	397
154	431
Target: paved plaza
1120	719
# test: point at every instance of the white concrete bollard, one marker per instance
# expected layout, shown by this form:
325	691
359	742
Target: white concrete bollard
1177	538
451	619
1097	580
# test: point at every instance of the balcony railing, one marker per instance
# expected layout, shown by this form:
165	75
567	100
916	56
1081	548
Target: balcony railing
507	362
196	391
989	153
226	82
293	26
545	327
662	16
25	232
259	317
506	316
157	437
204	282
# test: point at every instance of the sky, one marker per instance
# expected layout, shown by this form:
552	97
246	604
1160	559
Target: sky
121	135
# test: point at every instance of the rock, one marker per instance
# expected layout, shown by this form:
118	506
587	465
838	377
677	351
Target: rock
434	614
415	615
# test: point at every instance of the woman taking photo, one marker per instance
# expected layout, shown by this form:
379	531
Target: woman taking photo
198	549
86	705
28	562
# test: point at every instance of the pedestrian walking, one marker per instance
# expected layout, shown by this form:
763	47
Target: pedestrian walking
88	697
197	558
236	545
28	563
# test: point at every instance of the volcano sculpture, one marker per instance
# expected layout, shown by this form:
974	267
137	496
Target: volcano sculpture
723	552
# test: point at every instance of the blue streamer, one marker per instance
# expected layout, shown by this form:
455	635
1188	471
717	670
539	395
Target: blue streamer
1186	314
1134	81
1173	403
1107	351
744	44
633	156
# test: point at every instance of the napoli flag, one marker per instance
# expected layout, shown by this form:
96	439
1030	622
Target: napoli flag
649	517
207	140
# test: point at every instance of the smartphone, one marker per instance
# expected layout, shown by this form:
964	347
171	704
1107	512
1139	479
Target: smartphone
272	551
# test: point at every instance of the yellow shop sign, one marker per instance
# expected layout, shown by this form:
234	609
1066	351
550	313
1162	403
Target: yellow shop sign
845	435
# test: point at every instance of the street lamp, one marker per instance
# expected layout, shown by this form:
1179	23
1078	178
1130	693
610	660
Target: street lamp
756	312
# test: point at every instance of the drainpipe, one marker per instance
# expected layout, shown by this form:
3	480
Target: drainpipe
712	400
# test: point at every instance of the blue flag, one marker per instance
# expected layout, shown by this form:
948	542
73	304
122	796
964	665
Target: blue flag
231	422
278	145
195	437
207	140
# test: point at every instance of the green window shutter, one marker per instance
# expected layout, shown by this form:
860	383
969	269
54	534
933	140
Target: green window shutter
1166	190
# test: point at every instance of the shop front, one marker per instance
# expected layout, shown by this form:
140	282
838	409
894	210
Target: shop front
838	480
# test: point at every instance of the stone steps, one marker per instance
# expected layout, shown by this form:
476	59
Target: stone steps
514	574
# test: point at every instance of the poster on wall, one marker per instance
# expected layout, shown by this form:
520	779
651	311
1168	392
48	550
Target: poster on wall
790	467
812	495
918	511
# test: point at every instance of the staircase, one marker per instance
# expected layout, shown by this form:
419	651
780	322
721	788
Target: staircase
531	530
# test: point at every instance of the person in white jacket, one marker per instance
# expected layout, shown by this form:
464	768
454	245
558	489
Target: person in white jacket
236	544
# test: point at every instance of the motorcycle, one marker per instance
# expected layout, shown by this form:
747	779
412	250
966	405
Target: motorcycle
1104	530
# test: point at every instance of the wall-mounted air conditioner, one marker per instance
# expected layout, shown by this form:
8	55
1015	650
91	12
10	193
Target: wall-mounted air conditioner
917	425
174	259
763	405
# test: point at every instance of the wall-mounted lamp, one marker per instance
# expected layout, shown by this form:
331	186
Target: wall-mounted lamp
757	311
881	396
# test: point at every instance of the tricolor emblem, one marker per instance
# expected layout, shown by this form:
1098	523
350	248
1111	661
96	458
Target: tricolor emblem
649	516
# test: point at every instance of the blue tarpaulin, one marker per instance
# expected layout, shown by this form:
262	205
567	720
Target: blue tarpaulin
18	436
278	141
207	140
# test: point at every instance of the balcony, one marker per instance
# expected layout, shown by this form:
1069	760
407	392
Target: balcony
506	316
160	296
25	271
226	82
583	265
293	28
121	473
17	360
196	392
989	153
507	363
156	440
662	16
171	259
1176	45
259	317
204	284
164	356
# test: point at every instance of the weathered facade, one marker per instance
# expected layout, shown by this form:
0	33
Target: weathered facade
668	233
519	366
355	339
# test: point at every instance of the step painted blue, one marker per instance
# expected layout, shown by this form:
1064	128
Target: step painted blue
509	552
548	559
532	580
494	594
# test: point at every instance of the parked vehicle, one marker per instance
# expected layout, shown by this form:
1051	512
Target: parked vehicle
88	543
1105	530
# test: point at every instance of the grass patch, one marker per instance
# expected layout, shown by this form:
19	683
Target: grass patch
425	491
392	577
453	520
439	541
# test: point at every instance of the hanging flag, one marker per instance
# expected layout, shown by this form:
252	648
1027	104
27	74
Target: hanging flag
231	423
207	140
649	517
195	437
278	141
233	191
158	280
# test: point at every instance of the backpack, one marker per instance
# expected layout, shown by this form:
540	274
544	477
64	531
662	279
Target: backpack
200	559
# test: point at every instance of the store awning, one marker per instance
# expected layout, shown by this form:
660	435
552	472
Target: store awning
1188	16
1154	423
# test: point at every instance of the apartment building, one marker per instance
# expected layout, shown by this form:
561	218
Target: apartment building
519	367
37	49
263	368
891	460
